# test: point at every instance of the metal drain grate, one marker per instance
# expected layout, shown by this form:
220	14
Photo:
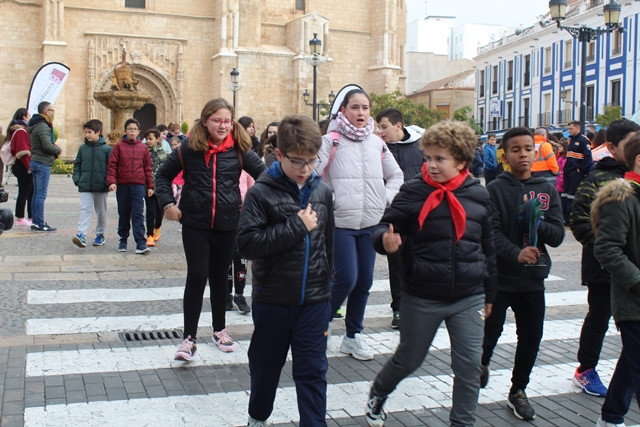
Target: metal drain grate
150	335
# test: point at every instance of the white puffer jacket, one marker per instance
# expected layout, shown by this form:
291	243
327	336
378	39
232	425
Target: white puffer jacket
363	179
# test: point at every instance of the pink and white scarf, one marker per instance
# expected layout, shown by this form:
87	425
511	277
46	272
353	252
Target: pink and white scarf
350	131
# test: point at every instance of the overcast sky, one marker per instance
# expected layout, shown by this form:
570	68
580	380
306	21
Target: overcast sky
518	13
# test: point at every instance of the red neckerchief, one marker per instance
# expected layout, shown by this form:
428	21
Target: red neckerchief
458	213
225	145
632	176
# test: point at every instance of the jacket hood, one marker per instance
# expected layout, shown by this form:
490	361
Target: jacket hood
38	118
615	191
101	141
16	124
611	164
512	180
411	134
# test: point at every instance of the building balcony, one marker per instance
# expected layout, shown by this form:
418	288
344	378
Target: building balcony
564	116
544	119
523	121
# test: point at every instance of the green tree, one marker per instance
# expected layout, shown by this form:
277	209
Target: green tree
184	127
610	114
462	115
414	114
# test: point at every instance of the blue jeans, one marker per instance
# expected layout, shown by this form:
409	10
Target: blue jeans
40	174
303	328
130	199
626	378
353	260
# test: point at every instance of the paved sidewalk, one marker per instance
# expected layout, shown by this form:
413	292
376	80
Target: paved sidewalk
63	363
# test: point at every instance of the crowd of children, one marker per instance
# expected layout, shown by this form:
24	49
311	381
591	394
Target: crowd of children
302	217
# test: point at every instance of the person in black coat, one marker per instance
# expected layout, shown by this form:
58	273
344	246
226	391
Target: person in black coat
286	228
212	160
449	260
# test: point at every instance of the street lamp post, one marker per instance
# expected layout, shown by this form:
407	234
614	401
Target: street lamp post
558	10
315	59
318	105
234	85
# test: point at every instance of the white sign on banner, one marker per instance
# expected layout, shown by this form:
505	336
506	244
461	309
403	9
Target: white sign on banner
47	84
494	108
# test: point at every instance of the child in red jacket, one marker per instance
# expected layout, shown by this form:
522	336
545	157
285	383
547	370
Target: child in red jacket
129	172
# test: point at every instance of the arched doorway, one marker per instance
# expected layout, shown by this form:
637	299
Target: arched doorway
146	116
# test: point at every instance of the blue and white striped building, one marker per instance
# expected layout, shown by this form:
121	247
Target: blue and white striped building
532	78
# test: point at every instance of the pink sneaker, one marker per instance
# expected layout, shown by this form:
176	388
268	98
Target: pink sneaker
224	341
187	350
23	221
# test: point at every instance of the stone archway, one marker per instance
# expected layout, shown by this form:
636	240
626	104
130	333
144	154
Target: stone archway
164	99
146	116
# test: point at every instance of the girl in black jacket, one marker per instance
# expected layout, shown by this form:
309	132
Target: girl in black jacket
449	260
219	149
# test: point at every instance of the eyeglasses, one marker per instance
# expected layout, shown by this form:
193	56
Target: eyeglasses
218	122
131	129
299	163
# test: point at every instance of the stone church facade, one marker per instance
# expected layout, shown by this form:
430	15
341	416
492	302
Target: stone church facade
183	51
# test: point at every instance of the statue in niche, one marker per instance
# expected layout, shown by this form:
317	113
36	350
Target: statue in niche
122	78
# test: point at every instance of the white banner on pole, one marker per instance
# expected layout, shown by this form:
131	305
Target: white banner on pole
47	84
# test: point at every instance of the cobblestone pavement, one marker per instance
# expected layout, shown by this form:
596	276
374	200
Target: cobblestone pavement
62	361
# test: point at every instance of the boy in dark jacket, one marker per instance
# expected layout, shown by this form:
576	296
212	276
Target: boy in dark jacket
442	218
526	216
154	212
615	217
286	227
594	276
90	176
130	173
404	144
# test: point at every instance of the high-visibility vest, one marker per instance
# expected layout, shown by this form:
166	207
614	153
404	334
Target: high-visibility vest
545	157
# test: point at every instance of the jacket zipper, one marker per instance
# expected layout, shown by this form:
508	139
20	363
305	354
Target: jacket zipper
214	184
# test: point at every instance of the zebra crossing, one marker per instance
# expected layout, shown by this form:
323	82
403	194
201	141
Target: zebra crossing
428	389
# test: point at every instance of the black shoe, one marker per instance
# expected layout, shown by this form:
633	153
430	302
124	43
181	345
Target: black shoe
241	302
484	375
395	323
44	227
229	303
375	415
338	314
520	405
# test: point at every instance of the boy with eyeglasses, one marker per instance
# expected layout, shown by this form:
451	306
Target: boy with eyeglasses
287	227
129	174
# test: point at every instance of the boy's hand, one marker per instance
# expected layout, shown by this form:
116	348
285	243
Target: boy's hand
488	309
112	187
529	255
309	217
173	213
391	241
149	192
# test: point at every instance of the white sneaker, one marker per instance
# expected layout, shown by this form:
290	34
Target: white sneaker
356	347
603	423
256	423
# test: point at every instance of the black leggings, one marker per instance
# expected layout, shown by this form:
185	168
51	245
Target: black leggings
208	255
154	214
25	189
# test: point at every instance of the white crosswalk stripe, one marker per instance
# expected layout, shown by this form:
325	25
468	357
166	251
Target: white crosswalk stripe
230	409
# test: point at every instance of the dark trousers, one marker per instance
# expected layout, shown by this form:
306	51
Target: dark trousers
239	266
395	278
154	214
489	175
354	260
303	328
25	189
208	254
130	199
528	308
595	325
626	377
571	182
